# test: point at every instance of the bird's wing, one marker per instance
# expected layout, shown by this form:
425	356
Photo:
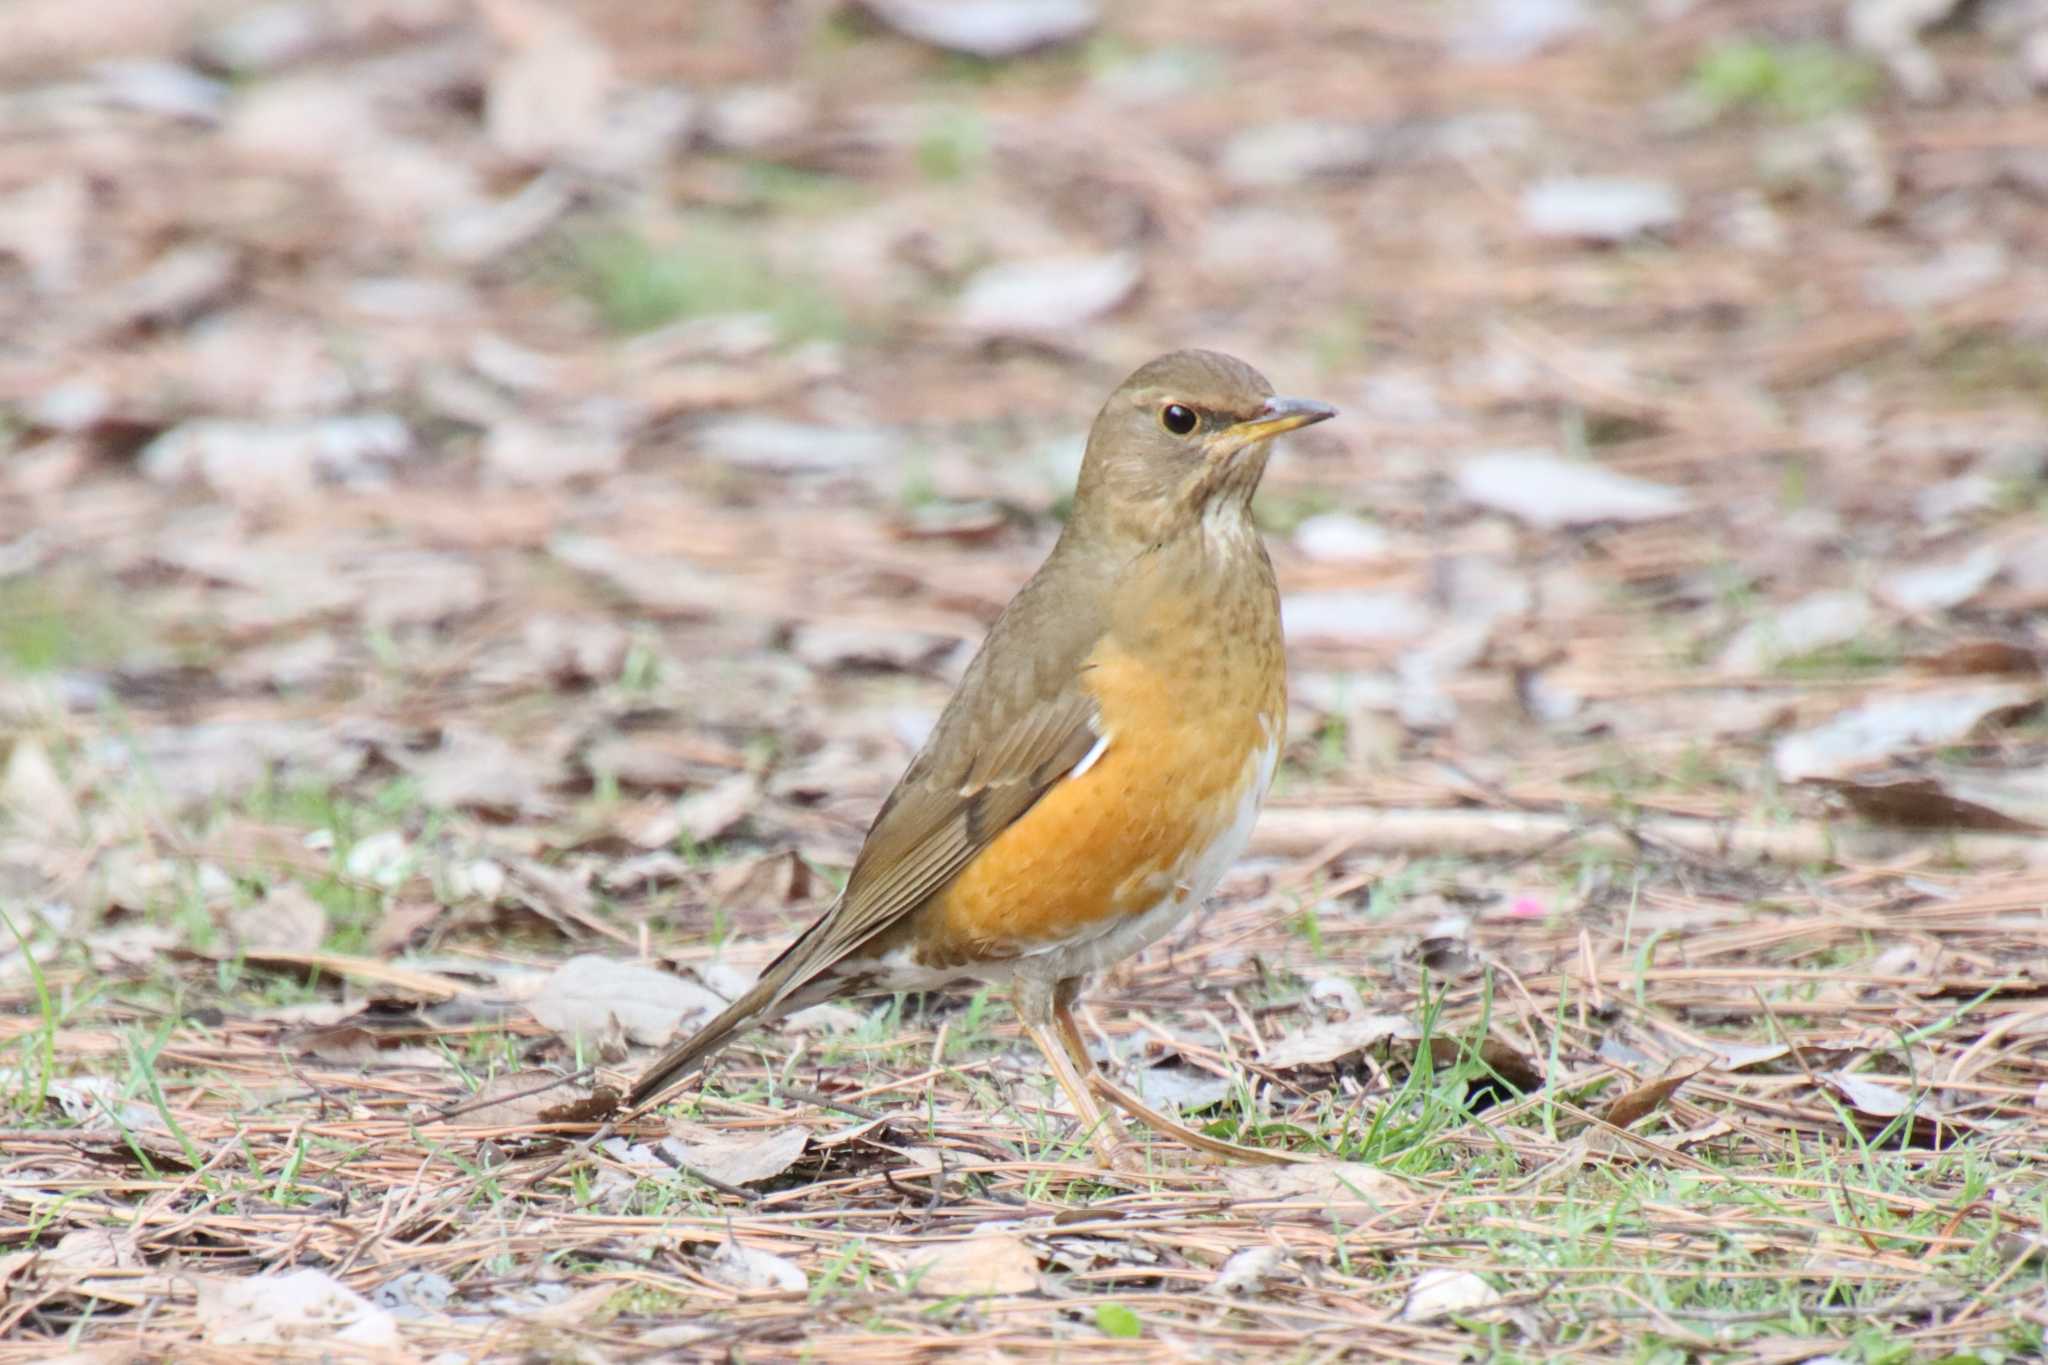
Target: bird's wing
939	817
955	798
1021	721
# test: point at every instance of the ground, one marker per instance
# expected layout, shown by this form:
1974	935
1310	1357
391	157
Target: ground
491	495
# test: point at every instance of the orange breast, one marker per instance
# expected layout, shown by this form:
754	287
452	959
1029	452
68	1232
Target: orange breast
1185	729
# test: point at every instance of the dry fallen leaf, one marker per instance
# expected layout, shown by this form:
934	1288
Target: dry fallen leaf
301	1308
1047	296
471	767
714	812
1181	1089
1505	1060
1355	617
1938	586
1247	1271
1292	151
80	1253
1324	1182
1868	1096
1323	1044
1444	1292
287	920
989	29
520	1098
738	1158
1887	726
775	445
546	94
1953	797
584	995
1650	1096
1812	623
985	1263
1599	208
32	792
1550	492
520	451
745	1267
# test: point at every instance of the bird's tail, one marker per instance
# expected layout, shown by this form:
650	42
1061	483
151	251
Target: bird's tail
691	1053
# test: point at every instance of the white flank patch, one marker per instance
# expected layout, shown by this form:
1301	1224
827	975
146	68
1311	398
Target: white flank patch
1088	759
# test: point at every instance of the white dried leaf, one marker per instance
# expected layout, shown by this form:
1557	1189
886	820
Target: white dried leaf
519	1098
417	587
662	583
1337	537
545	97
286	920
1028	298
44	228
1738	1056
1443	1292
482	229
1818	621
32	792
712	813
1354	617
520	451
990	29
745	1267
1599	209
1339	995
414	1294
1549	492
780	446
738	1159
1877	730
1248	1270
1322	1182
1958	270
385	858
756	117
1259	244
1868	1096
985	1263
1942	584
576	649
1515	30
1323	1044
472	768
1295	150
1177	1088
584	995
823	645
300	1307
1891	30
256	460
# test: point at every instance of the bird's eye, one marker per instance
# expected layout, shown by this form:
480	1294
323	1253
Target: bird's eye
1177	418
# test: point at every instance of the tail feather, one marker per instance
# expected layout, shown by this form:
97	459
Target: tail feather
687	1056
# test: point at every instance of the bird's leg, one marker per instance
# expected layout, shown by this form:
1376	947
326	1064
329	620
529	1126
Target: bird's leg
1070	1034
1037	1010
1064	995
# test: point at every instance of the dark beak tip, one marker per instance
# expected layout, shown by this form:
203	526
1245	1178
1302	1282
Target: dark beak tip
1307	410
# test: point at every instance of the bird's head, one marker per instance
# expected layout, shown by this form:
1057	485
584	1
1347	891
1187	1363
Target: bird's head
1185	437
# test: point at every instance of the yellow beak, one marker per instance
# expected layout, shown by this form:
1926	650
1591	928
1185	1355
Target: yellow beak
1279	415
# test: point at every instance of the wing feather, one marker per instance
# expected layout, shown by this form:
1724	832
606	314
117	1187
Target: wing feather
931	829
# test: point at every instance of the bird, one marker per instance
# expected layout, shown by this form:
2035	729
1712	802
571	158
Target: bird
1102	763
